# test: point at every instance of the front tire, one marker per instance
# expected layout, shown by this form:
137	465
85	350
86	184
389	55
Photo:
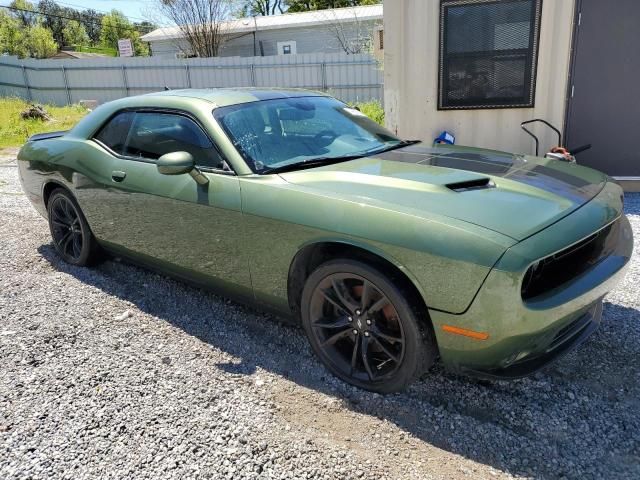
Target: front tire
363	327
72	237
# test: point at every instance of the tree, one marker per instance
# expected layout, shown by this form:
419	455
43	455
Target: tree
306	5
52	14
11	36
251	8
353	37
24	12
116	26
74	33
92	21
201	23
40	42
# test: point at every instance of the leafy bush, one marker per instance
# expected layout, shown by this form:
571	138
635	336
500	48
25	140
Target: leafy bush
372	109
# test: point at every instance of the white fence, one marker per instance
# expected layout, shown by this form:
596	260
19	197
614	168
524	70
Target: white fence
348	77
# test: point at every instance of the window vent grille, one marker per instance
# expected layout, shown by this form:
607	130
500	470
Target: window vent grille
488	53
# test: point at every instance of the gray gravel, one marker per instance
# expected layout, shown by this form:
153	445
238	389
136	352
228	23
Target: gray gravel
116	372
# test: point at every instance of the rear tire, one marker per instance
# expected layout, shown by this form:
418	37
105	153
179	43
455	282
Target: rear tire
363	327
72	237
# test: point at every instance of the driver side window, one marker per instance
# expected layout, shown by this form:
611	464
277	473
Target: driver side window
149	135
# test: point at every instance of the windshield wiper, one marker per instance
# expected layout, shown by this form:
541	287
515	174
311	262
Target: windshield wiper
313	162
321	161
395	146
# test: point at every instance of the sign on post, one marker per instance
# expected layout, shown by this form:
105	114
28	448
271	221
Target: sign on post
125	49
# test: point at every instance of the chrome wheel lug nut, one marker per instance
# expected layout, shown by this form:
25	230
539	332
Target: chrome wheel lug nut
355	332
366	334
358	312
350	319
368	322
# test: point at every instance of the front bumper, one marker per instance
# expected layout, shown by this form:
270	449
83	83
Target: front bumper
523	336
567	339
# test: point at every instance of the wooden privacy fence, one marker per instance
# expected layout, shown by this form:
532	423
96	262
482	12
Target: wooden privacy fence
348	77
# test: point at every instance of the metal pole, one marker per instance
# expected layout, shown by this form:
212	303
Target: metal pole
124	81
26	82
66	85
188	73
253	75
323	70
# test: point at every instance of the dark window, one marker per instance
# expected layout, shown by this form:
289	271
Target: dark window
286	49
114	133
488	53
154	134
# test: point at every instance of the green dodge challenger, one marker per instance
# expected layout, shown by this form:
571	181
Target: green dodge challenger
390	253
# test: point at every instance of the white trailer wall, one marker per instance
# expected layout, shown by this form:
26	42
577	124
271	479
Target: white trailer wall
411	80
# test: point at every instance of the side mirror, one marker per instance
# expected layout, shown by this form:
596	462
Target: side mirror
175	163
178	163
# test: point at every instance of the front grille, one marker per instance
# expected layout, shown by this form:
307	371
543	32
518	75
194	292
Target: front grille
562	267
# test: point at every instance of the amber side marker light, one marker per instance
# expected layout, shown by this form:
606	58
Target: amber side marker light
465	333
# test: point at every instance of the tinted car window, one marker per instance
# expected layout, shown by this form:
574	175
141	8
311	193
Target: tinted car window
154	134
114	133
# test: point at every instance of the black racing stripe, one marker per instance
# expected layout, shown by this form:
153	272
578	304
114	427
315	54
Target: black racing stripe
470	162
568	186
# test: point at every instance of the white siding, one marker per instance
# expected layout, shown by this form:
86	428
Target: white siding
312	39
411	80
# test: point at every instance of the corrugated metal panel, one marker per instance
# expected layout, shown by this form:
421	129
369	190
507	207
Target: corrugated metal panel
348	77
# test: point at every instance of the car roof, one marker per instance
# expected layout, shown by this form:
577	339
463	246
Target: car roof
222	97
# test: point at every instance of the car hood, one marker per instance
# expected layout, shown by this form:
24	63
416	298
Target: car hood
510	194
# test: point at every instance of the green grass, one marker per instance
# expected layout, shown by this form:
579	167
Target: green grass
372	109
14	131
112	52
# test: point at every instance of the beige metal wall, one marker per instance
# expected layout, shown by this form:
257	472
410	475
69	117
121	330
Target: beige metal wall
411	79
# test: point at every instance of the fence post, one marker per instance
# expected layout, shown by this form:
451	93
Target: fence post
66	84
323	70
124	81
188	73
253	75
26	82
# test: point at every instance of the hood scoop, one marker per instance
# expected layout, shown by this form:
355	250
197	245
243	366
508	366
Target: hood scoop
468	185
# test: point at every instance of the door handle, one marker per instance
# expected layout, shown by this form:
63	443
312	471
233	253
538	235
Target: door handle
118	176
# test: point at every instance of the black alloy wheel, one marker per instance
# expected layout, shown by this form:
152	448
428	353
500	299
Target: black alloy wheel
362	327
70	232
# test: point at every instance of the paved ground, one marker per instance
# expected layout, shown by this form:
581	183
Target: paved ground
119	373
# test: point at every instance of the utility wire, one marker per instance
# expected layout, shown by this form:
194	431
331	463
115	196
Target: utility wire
98	10
79	20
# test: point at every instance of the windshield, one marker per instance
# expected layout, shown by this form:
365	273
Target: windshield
272	134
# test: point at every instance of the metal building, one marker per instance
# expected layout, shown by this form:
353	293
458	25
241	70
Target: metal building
350	30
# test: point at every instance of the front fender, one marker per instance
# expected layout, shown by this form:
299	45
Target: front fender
447	260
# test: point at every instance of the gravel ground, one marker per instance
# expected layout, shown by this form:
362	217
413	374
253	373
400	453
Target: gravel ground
116	372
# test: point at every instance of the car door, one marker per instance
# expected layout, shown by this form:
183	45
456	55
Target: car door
171	221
